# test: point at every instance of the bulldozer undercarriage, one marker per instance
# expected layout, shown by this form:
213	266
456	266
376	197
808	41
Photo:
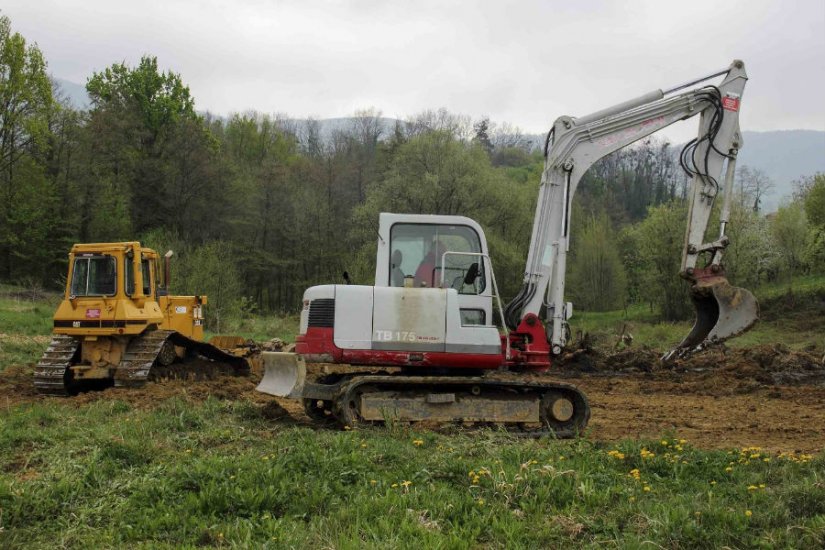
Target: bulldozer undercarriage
526	408
153	355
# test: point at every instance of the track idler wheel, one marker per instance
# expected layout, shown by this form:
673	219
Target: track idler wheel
565	413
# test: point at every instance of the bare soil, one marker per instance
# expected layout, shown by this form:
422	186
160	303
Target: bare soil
765	396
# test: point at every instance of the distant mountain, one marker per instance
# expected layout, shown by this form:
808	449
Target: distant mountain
74	92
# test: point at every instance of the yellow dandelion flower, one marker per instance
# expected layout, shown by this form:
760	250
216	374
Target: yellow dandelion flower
394	485
632	499
188	450
682	441
752	487
480	502
264	458
748	513
472	473
418	442
646	489
406	483
373	482
713	482
729	469
664	442
766	459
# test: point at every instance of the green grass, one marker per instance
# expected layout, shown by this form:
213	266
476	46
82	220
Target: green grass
175	473
224	473
263	327
25	326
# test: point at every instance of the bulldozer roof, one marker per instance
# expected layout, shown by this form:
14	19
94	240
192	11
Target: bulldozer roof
87	248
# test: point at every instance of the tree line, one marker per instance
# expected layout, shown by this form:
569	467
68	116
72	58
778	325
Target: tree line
259	207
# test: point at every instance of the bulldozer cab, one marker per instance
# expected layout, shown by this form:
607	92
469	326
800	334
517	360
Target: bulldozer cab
119	289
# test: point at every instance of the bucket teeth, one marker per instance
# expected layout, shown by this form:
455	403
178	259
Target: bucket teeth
722	312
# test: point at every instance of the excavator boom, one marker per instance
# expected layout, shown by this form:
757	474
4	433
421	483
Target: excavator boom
574	144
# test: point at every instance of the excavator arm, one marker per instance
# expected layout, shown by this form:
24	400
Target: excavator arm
575	144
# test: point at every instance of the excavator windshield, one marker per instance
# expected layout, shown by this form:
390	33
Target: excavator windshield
94	275
418	251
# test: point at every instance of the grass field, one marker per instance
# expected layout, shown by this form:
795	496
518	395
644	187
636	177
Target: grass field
227	473
187	472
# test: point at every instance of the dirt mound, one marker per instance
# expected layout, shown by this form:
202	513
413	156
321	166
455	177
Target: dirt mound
765	364
768	364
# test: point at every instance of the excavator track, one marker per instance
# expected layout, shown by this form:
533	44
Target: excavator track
532	409
52	371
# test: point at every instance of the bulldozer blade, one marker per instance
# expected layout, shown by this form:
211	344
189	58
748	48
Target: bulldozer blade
722	311
284	374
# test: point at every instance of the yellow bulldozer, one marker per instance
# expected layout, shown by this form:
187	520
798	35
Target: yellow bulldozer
118	325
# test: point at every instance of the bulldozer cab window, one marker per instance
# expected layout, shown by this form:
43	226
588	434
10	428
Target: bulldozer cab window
94	276
418	251
130	277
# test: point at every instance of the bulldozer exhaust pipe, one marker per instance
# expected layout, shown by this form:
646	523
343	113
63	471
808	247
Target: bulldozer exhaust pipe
722	312
284	374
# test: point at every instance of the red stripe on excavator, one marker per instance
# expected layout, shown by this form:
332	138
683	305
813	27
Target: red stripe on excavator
529	351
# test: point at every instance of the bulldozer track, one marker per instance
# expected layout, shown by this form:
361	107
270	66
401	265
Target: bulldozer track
52	369
141	353
139	362
52	375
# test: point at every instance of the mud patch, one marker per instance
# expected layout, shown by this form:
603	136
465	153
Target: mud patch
764	364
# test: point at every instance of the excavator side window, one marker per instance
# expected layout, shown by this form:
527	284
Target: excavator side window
417	250
94	276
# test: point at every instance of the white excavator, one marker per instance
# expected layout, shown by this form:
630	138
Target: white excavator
421	343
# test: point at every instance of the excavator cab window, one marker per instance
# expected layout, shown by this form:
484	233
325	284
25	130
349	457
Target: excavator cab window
94	275
130	279
418	251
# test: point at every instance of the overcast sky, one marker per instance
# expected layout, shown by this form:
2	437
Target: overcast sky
523	62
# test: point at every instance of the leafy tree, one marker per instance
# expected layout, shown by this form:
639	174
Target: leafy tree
161	99
152	149
25	193
597	277
658	241
814	201
790	230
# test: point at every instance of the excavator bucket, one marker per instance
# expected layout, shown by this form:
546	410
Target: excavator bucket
722	311
284	374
